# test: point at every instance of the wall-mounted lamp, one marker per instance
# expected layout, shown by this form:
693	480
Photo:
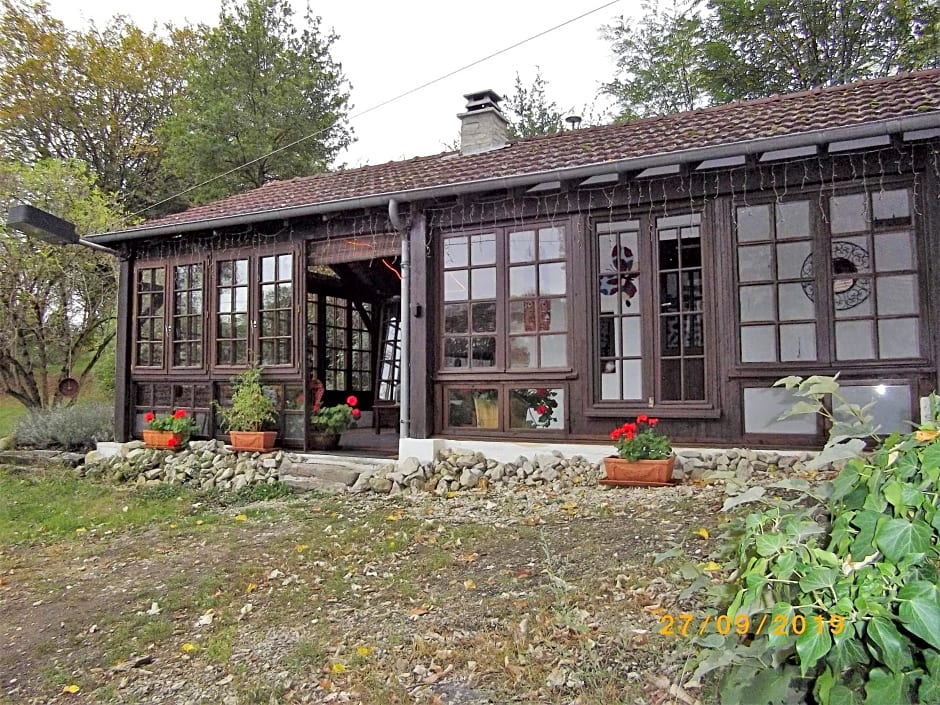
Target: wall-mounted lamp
49	228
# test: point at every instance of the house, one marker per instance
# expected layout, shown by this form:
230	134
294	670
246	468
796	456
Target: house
545	290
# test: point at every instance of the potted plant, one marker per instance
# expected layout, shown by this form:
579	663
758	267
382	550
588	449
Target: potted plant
169	431
251	409
644	456
327	423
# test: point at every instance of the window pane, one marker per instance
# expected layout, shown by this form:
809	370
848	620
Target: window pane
554	349
607	253
792	219
522	281
854	340
537	408
556	316
892	410
762	410
610	380
484	317
474	408
455	318
793	260
456	352
754	263
891	205
455	252
753	223
757	303
607	336
758	344
850	256
268	273
484	352
455	286
899	337
632	336
483	249
794	303
284	267
798	342
522	351
552	278
894	251
848	214
897	295
668	249
483	283
632	379
522	246
551	243
241	271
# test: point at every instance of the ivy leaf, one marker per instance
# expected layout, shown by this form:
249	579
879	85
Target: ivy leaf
885	688
845	482
840	695
811	646
819	579
897	537
920	610
752	495
893	647
930	458
929	691
769	544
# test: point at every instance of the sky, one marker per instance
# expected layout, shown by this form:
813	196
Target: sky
388	48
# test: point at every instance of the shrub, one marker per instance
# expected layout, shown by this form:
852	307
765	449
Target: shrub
843	578
66	427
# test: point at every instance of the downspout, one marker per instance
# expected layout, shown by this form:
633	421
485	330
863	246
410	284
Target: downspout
404	422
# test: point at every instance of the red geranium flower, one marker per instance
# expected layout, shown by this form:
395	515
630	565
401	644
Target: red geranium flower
179	414
541	392
541	409
356	413
352	401
149	416
642	418
653	422
172	442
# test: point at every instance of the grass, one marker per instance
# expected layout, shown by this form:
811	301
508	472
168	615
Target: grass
52	505
10	413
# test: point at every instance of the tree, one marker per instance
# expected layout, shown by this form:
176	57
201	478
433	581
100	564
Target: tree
738	49
56	304
531	112
760	47
659	62
258	86
97	96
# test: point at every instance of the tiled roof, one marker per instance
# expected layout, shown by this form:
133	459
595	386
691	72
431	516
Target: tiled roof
900	96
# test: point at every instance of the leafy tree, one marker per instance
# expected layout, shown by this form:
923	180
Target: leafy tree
659	62
678	59
258	86
760	47
531	112
96	95
56	304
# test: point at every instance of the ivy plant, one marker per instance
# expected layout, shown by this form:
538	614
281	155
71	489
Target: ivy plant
836	597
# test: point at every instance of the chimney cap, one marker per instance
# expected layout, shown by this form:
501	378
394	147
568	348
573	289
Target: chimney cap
483	99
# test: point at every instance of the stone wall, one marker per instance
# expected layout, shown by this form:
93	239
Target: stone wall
210	464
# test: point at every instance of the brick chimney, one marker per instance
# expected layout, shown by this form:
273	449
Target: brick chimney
483	126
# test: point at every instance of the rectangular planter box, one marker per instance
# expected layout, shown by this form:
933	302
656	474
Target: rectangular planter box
639	472
161	439
253	441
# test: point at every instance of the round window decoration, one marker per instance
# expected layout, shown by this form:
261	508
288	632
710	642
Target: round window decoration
68	387
847	291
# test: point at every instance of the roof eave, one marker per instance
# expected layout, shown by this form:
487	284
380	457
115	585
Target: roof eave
890	126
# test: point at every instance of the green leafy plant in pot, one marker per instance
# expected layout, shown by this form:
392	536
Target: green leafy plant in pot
250	410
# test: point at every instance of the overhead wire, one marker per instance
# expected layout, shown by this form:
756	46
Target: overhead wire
382	104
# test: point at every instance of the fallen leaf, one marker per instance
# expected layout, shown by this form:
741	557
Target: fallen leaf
467	558
711	566
241	517
419	612
251	588
244	611
363	651
188	648
703	532
154	609
326	684
468	584
71	688
338	668
206	619
301	547
81	530
397	515
925	435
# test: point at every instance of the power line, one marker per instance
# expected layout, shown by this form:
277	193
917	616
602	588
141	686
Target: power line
380	105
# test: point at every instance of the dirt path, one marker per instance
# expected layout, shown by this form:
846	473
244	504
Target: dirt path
499	598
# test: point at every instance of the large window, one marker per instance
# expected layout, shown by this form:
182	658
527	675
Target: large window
254	317
651	342
505	300
860	248
169	316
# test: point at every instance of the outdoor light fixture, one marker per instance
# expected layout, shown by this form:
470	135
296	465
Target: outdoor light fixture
48	228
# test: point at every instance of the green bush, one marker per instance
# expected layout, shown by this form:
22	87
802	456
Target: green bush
836	589
66	427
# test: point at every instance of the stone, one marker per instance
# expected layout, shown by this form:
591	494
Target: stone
549	474
269	463
238	482
91	457
9	443
470	477
382	485
409	466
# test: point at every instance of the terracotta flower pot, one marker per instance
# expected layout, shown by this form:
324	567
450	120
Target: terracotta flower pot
253	441
161	439
638	472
